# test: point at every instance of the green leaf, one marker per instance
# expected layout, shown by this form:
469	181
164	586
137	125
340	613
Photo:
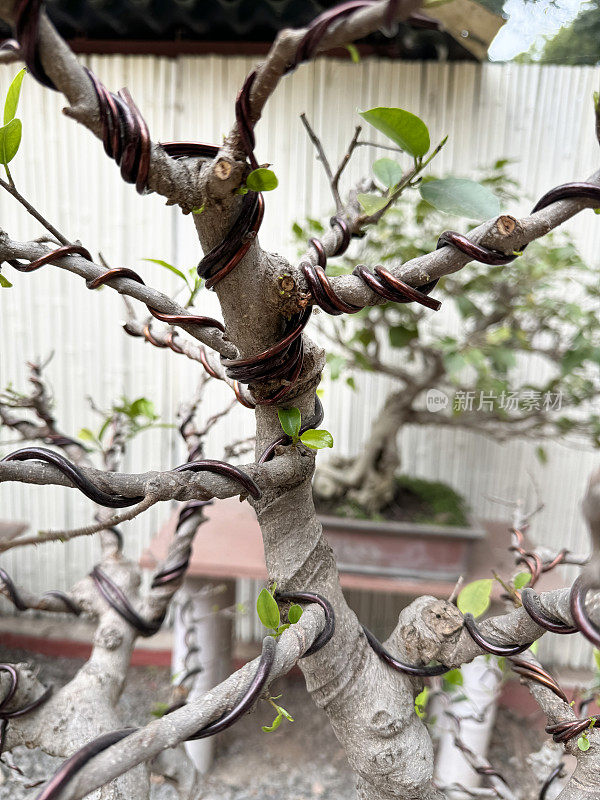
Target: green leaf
12	96
597	658
262	180
574	357
498	335
541	454
168	266
86	435
10	139
294	613
316	439
466	307
421	702
285	713
461	197
197	211
142	407
336	365
454	363
521	580
387	171
400	335
503	358
4	282
371	203
583	743
405	129
453	678
274	725
159	710
351	382
535	647
474	598
267	609
354	54
290	420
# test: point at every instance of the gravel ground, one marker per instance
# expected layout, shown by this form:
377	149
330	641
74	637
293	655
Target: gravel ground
299	761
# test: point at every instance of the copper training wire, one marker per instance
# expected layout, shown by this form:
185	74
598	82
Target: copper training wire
386	285
74	474
536	673
573	190
192	649
532	606
482	769
85	485
27	18
171	319
115	596
569	729
550	779
69	768
425	671
312	597
491	645
13	595
173	572
118	601
578	611
6	716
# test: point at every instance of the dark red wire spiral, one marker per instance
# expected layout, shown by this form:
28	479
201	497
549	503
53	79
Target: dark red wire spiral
13	595
126	139
102	498
6	716
71	767
567	191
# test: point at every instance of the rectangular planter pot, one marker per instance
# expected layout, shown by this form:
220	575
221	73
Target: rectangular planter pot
400	549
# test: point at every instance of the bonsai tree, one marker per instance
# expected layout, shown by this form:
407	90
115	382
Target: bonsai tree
478	379
368	689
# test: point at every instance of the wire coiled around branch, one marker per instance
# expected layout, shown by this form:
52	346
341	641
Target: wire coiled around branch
6	716
171	319
85	485
71	767
14	596
425	671
566	730
311	597
74	474
568	191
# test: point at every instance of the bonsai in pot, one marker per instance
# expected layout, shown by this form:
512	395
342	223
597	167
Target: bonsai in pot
479	378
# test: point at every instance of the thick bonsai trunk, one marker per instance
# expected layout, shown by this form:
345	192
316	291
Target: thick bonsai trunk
369	478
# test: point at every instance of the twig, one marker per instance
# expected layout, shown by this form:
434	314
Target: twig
346	158
64	536
12	190
419	166
380	146
30	251
322	157
456	590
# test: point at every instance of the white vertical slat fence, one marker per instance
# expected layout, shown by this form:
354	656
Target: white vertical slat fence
541	117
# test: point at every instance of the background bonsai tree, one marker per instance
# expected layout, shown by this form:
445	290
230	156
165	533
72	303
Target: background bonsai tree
472	371
367	689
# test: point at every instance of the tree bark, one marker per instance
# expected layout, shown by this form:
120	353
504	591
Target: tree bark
368	479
